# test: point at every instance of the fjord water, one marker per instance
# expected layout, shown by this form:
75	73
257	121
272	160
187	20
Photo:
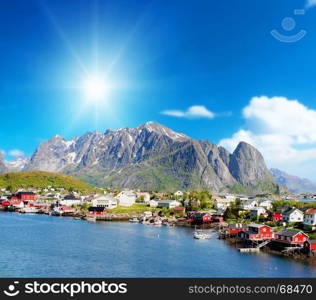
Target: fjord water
45	246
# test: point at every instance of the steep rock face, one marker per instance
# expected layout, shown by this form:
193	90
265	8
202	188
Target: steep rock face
247	165
52	155
294	184
3	168
219	162
151	157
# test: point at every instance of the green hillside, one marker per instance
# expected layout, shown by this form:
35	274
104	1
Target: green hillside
39	179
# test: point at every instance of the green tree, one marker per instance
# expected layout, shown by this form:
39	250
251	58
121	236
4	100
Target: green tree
10	188
140	199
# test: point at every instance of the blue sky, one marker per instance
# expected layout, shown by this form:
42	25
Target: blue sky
210	69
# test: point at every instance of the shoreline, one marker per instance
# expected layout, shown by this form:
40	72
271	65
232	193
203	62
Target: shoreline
231	241
300	257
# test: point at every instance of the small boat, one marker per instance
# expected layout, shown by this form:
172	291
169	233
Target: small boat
199	235
157	223
134	220
56	213
29	209
77	218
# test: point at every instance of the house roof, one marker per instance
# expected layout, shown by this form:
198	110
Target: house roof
105	198
256	225
25	193
290	211
98	209
71	197
167	201
310	211
237	226
288	232
179	208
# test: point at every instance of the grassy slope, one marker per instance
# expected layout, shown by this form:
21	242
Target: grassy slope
39	179
264	186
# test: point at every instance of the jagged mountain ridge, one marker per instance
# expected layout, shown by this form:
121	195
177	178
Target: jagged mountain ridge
294	184
152	157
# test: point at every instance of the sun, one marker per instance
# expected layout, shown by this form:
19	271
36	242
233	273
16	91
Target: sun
95	88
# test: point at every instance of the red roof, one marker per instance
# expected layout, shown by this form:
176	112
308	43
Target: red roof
15	202
179	208
66	208
310	211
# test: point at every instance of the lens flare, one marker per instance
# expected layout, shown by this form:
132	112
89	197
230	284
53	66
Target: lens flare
95	88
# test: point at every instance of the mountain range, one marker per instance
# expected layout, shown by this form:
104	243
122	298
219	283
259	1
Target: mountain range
150	157
293	183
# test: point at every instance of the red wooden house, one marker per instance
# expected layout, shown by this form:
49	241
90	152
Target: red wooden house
234	229
257	232
23	196
16	203
291	237
276	217
200	218
5	203
95	211
179	210
310	245
26	196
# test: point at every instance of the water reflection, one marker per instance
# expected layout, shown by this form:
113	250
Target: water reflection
44	246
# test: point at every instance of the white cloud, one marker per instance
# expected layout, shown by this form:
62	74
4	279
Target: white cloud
196	111
283	130
310	3
16	152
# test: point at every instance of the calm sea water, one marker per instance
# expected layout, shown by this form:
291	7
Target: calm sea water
45	246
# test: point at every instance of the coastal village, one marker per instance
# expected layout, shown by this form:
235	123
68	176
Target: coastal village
281	225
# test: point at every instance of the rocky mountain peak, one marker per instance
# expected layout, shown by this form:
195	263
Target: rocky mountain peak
247	165
3	167
293	183
163	130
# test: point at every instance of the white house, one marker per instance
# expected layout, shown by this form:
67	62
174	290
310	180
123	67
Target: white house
153	203
267	204
249	204
69	200
257	212
229	197
221	203
293	215
310	218
104	201
178	193
168	203
126	198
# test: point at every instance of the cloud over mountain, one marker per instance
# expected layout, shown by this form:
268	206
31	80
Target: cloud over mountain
283	130
16	152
